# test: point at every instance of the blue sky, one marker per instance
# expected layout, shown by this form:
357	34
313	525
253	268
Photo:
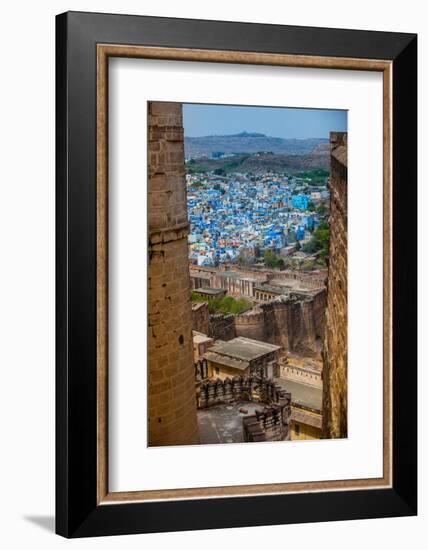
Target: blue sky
205	120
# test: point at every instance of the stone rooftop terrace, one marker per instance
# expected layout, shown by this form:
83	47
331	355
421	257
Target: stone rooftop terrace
272	289
210	291
302	394
245	349
223	423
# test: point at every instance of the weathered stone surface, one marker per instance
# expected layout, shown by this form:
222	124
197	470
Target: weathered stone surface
335	355
200	317
172	404
221	327
270	422
293	322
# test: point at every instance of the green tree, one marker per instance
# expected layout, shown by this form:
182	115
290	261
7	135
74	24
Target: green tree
240	306
272	260
317	176
308	265
214	305
321	209
218	187
245	259
319	241
225	305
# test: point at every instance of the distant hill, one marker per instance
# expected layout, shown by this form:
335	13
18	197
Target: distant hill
322	149
285	163
249	142
261	163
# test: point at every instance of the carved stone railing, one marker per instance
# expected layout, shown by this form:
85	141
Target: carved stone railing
272	423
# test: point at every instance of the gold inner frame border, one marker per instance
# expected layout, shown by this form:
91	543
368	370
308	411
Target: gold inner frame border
104	52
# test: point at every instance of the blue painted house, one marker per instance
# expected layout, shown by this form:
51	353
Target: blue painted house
300	202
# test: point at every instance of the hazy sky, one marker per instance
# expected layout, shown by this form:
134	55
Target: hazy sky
206	120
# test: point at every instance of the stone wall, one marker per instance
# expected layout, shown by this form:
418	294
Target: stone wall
222	327
243	281
272	423
237	388
200	317
306	375
293	322
309	279
252	324
172	404
335	402
319	306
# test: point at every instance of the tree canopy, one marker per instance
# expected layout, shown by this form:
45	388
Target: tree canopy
225	305
271	259
319	241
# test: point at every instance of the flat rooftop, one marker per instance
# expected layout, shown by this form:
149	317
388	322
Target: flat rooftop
272	289
233	274
302	394
223	423
289	284
226	360
210	291
236	275
244	349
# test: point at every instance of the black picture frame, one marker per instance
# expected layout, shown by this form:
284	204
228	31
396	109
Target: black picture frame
77	512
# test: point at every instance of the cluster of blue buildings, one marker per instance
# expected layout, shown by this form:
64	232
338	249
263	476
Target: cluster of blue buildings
236	213
301	202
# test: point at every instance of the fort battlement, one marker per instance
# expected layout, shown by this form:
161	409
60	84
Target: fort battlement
252	316
222	327
294	321
271	423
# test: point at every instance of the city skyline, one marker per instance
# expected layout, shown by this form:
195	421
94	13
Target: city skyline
200	120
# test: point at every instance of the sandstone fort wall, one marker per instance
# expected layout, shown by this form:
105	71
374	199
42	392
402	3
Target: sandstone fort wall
293	324
336	344
200	317
222	327
171	394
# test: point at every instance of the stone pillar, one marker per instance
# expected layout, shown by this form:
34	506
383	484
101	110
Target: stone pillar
335	354
172	396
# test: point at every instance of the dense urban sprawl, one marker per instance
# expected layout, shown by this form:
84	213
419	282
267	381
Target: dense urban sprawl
238	216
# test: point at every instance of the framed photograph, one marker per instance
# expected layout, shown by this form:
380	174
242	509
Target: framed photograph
236	274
